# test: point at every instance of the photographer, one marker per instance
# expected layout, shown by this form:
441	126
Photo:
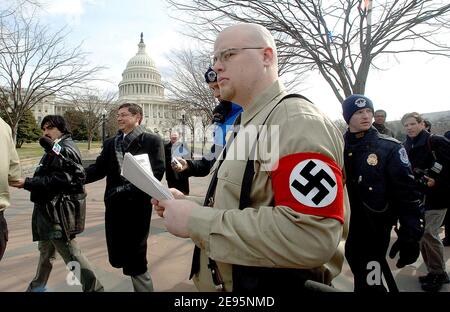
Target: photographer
428	154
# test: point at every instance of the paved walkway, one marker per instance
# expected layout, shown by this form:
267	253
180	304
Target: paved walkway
169	256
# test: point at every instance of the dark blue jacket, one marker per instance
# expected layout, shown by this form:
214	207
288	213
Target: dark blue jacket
223	128
381	188
201	167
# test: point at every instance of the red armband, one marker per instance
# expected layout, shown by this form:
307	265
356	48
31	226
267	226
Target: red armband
309	183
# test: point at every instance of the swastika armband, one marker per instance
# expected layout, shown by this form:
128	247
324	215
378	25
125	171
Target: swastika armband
309	183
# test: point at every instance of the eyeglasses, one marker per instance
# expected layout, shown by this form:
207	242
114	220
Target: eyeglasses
224	55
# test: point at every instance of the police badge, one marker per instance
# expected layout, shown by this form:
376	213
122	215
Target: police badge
372	160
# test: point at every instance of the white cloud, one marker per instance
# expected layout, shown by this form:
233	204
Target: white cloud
71	10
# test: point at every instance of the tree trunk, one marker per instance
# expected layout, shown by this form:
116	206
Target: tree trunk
192	143
14	132
89	141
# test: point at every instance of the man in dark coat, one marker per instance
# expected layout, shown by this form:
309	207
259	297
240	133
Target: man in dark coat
429	159
57	192
128	209
380	123
382	191
180	181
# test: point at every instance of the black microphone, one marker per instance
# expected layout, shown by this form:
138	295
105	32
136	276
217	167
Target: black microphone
56	149
46	143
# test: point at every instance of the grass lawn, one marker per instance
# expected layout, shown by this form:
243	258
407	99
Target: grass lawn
30	150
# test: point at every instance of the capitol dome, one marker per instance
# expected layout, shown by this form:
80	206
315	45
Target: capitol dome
141	77
141	84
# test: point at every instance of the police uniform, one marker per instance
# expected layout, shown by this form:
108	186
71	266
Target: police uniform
296	217
381	189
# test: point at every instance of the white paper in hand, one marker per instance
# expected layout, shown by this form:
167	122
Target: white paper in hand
137	170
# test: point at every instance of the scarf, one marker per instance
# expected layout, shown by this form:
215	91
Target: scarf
122	144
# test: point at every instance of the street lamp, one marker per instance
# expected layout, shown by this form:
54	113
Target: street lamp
104	112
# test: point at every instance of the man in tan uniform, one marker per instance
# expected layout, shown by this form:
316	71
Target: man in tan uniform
9	171
285	224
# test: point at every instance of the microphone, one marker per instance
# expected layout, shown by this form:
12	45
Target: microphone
50	147
46	143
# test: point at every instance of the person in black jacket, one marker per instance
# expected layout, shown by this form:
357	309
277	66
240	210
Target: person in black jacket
429	159
59	198
128	209
382	192
380	123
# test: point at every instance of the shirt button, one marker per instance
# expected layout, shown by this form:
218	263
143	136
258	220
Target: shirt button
370	188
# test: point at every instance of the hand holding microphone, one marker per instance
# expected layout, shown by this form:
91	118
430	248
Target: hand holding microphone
54	148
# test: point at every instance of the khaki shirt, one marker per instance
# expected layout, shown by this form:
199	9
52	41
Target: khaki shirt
9	163
264	235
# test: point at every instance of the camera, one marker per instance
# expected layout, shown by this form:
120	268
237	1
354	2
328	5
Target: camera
432	172
175	163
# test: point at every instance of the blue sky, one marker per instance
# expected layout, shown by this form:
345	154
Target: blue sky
111	29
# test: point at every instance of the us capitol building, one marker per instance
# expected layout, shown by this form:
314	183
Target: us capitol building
141	84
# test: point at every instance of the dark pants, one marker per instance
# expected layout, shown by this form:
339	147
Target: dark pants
3	234
70	252
127	226
365	257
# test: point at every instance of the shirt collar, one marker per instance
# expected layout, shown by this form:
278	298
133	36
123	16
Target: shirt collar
262	101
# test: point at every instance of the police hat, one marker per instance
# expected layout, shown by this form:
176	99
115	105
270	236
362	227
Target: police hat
210	75
354	103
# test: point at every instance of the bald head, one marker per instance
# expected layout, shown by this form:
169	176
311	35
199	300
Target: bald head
253	35
246	62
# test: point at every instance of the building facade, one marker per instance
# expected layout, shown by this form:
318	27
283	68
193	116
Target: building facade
141	84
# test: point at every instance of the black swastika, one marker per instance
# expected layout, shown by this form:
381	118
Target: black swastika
313	182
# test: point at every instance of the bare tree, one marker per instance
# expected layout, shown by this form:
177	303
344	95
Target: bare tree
12	6
94	104
187	86
342	39
36	63
341	125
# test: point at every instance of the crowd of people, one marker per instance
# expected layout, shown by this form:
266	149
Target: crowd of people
269	221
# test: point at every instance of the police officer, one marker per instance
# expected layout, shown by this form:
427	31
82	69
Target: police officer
381	190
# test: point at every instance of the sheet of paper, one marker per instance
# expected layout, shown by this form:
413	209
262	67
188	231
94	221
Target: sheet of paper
142	177
144	162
